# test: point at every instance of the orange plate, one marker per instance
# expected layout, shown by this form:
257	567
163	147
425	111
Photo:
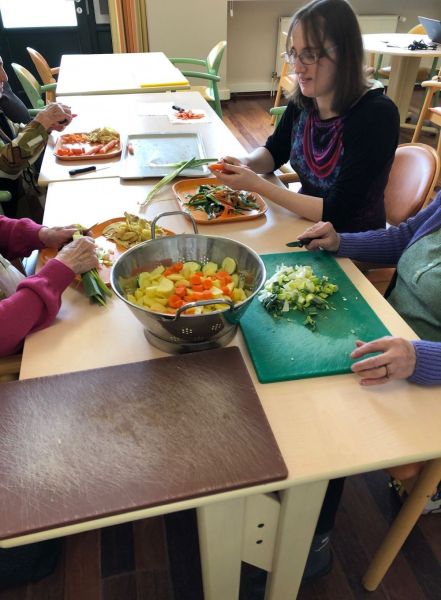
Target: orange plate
116	151
191	186
97	233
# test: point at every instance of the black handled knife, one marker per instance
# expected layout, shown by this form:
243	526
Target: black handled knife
299	243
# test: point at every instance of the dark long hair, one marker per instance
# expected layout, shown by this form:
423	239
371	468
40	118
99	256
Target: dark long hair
335	22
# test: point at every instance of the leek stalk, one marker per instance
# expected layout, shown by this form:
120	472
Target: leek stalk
189	164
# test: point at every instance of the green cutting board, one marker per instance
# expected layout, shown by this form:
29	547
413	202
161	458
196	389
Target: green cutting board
282	348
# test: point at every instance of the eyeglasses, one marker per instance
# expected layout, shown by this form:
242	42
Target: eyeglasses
306	57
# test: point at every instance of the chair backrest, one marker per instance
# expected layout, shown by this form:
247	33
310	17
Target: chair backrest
30	86
277	112
40	63
428	112
411	182
214	57
418	30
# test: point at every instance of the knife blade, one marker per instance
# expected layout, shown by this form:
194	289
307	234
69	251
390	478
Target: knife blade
299	243
86	170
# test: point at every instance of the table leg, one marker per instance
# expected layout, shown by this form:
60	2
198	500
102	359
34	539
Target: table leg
403	524
403	74
220	528
299	511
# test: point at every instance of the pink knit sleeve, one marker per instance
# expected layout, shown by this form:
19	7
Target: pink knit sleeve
18	237
34	305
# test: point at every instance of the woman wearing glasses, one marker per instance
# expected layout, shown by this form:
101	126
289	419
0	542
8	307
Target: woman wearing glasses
338	133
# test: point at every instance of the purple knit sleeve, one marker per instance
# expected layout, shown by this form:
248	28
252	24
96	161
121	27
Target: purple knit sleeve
428	363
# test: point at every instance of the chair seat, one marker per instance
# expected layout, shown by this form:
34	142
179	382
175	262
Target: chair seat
435	114
204	92
422	75
10	367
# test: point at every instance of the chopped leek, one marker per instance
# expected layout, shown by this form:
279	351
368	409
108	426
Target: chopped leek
94	286
297	288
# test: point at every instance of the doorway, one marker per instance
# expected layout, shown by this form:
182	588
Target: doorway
54	28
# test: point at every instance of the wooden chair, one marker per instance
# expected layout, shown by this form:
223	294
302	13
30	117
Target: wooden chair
34	91
287	83
47	74
10	367
403	524
412	179
211	64
429	112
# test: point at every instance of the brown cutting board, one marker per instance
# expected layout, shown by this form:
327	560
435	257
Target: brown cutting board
95	443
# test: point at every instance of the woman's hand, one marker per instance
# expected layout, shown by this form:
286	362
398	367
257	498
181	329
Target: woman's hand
396	361
79	255
55	116
239	177
323	235
55	237
232	160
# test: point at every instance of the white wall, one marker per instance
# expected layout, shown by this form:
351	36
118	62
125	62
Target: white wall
252	34
193	27
188	29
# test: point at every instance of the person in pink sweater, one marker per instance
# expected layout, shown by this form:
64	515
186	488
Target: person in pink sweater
36	300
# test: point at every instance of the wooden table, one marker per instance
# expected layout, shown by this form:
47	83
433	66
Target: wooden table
125	73
404	64
129	114
325	427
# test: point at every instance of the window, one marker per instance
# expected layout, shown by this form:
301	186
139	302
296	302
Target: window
38	13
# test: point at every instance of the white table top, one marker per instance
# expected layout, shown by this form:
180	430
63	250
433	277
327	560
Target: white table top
128	114
397	44
125	73
325	427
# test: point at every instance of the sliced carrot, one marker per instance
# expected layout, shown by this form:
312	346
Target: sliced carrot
207	283
175	301
195	279
197	288
109	146
180	290
93	149
207	295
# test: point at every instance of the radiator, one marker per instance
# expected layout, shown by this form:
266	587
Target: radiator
368	24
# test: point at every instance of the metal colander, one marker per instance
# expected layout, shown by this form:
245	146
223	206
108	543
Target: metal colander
182	332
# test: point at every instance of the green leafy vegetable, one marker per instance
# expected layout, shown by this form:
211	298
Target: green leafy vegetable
217	200
297	288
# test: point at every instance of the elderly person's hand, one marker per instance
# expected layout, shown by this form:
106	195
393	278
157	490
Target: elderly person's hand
239	177
322	235
396	361
55	116
79	255
55	237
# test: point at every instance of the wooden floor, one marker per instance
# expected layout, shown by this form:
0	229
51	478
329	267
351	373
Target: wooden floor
158	559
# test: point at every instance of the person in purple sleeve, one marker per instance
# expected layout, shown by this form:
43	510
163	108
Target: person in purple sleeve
414	247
